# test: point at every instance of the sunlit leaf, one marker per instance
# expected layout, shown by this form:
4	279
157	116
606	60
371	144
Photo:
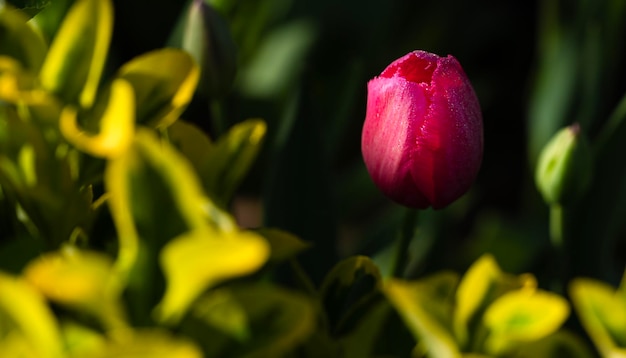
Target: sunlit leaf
426	308
196	261
28	311
19	41
231	157
161	96
602	312
76	57
79	279
482	283
283	245
116	124
523	316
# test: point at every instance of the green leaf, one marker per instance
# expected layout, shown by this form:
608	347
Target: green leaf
231	157
22	307
522	316
30	7
202	32
40	178
20	41
201	259
161	96
480	286
278	60
426	308
283	245
349	289
78	53
602	312
360	342
279	320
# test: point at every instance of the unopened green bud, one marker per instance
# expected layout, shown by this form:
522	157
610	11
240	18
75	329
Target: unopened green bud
206	36
564	168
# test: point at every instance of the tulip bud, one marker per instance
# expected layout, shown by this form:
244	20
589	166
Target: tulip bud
206	36
422	139
564	167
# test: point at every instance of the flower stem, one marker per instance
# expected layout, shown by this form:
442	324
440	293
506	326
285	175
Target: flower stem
407	232
556	226
558	238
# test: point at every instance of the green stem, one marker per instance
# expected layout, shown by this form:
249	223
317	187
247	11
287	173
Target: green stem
558	238
556	226
406	235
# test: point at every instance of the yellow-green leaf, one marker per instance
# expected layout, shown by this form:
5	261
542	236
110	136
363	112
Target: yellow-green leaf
76	58
154	194
602	312
522	316
19	41
426	308
482	283
559	344
348	291
149	344
191	141
164	81
283	245
28	312
199	260
221	310
117	124
279	320
231	157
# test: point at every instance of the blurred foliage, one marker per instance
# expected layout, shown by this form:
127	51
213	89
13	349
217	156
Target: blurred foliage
147	209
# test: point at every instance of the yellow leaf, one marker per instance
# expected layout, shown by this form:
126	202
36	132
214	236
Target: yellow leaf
80	279
523	315
116	125
28	310
602	312
199	260
483	282
73	66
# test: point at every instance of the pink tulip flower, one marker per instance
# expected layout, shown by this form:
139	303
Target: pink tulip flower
422	139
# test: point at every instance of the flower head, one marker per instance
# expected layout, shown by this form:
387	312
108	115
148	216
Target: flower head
422	139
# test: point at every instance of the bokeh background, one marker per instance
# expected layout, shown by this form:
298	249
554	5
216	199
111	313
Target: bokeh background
303	66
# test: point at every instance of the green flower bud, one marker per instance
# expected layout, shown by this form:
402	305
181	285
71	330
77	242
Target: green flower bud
564	168
203	33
